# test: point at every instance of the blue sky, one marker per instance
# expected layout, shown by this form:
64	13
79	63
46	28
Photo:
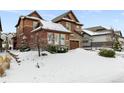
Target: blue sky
108	18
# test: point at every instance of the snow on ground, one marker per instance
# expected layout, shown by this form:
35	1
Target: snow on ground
77	65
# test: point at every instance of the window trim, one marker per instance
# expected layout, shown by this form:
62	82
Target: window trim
69	26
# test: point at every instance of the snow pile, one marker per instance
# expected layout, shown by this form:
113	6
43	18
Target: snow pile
75	66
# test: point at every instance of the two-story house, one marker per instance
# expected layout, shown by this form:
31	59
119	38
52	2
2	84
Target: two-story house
70	22
33	29
120	37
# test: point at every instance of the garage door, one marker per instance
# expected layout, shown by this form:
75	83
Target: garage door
74	44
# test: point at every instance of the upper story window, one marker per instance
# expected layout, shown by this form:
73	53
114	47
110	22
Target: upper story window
77	27
68	26
35	24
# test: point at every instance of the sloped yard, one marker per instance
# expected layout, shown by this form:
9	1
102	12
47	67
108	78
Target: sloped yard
75	66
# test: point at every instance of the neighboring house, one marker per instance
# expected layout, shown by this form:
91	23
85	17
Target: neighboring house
33	30
70	22
0	36
98	37
7	40
120	37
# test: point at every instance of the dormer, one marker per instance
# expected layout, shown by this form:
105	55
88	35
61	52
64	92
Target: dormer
35	14
31	21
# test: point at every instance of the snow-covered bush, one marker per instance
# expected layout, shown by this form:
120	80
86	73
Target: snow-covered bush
57	49
51	49
62	49
107	53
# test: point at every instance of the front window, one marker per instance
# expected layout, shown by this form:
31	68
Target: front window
50	38
77	27
56	38
62	39
68	26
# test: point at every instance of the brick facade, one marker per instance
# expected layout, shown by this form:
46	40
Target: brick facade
76	26
24	32
41	37
24	29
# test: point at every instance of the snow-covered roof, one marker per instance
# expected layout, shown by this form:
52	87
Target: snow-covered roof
49	25
31	17
96	28
53	26
72	21
96	33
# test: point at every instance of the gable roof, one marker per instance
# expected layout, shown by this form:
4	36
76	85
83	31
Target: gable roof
30	15
64	15
49	25
0	25
35	12
43	24
96	28
100	30
91	33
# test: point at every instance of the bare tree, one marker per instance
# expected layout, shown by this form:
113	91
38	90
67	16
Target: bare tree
38	44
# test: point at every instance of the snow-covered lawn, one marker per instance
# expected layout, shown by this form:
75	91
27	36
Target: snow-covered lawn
75	66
